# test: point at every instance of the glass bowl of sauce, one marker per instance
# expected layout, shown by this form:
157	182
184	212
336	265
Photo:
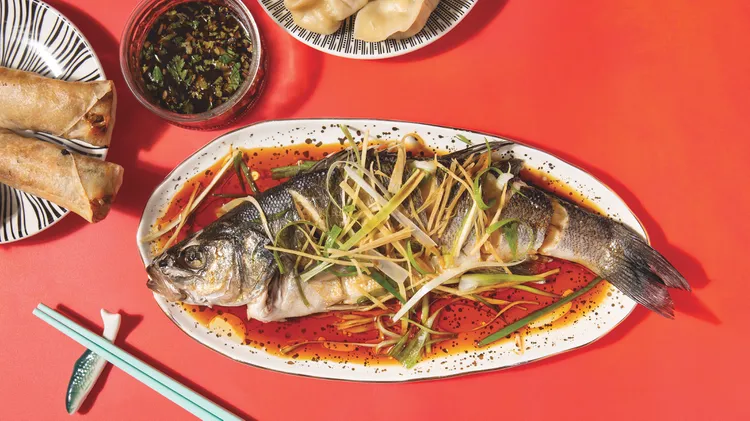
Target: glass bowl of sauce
198	64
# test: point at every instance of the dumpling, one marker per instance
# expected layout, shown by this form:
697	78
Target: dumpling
381	19
322	16
311	15
342	9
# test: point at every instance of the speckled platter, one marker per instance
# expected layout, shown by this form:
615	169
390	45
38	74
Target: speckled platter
342	43
591	324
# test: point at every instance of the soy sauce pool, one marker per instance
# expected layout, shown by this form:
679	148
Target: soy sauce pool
464	317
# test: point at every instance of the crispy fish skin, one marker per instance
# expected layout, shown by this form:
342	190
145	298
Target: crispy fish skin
227	263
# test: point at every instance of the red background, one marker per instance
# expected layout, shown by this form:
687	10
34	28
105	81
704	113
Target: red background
649	96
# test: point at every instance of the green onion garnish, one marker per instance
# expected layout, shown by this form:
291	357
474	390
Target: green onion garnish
345	271
534	291
278	236
463	138
229	195
477	188
499	224
409	355
510	231
485	279
385	282
481	299
332	236
385	212
352	143
291	170
396	350
413	261
248	176
236	162
507	330
301	292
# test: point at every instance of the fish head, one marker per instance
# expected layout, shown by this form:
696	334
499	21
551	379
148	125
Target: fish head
213	268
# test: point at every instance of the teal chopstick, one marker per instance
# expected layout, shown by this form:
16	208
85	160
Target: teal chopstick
158	381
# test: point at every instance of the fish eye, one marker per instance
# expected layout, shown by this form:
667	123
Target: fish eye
193	257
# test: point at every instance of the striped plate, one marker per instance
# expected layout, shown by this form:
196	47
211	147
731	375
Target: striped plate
342	43
37	38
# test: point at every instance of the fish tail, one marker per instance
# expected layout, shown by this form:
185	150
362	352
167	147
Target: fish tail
646	258
644	274
615	252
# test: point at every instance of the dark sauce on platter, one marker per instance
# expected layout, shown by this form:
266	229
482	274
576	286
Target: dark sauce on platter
458	316
195	57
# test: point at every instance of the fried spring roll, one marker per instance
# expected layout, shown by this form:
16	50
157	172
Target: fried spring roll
73	110
81	184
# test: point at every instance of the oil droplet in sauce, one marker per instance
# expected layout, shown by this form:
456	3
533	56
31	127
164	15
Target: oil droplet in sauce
465	317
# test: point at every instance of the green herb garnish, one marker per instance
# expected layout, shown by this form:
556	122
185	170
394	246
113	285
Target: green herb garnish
332	236
156	75
387	284
413	261
291	170
507	330
510	231
248	177
176	68
234	78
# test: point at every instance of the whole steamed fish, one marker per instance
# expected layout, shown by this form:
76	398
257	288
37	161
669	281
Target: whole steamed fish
227	262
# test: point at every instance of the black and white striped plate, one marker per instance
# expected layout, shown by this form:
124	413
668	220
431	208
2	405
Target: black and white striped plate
342	43
37	38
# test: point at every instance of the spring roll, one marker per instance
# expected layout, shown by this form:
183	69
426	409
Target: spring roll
73	110
81	184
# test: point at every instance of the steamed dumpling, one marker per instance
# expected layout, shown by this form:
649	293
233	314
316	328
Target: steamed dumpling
381	19
322	16
342	9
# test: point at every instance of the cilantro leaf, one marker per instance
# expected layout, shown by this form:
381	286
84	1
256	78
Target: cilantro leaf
156	75
175	68
228	57
234	78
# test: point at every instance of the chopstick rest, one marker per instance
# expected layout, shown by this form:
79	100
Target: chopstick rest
89	366
151	377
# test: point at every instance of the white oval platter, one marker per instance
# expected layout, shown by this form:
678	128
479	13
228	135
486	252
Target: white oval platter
589	326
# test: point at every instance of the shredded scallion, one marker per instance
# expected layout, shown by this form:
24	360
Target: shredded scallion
507	330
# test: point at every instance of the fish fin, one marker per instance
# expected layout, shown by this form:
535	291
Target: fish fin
646	289
644	274
512	165
649	260
346	155
474	149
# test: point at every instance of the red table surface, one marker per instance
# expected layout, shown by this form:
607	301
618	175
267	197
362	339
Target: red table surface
650	97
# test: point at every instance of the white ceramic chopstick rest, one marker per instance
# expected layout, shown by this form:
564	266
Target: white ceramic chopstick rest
88	368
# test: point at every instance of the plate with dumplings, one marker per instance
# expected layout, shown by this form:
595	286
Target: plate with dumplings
367	29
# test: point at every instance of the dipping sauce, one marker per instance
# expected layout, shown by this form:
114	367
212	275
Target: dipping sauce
195	57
